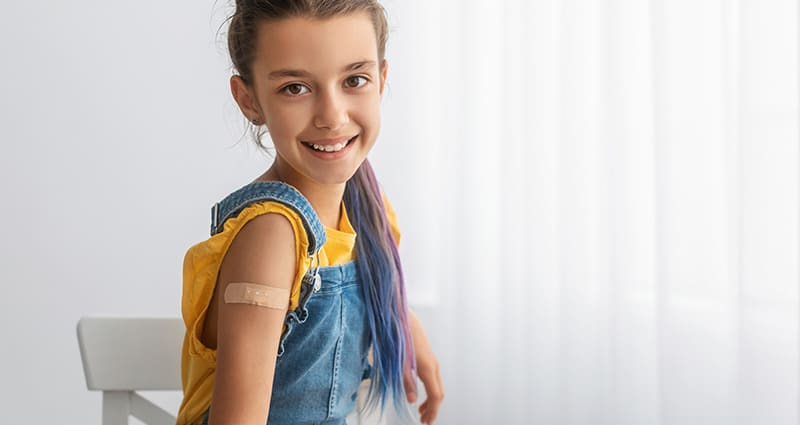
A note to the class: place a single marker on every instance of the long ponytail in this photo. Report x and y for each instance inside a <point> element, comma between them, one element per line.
<point>381,276</point>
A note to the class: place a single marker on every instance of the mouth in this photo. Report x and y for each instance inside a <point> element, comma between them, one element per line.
<point>330,148</point>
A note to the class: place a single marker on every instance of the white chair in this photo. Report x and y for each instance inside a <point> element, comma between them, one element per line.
<point>124,355</point>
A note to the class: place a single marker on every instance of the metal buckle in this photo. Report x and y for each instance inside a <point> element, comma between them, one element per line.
<point>215,217</point>
<point>317,279</point>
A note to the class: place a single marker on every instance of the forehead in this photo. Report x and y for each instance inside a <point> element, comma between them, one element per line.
<point>315,45</point>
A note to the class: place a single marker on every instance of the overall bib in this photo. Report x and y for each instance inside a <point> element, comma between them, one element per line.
<point>323,351</point>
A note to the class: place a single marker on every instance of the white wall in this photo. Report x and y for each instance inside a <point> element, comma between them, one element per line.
<point>599,202</point>
<point>119,133</point>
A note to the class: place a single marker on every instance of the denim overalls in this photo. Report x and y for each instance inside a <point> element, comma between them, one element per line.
<point>322,357</point>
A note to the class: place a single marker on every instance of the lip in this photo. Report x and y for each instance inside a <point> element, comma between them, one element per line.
<point>328,142</point>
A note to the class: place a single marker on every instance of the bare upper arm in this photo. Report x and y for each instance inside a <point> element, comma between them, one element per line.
<point>247,336</point>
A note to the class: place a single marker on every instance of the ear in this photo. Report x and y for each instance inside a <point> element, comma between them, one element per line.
<point>245,98</point>
<point>384,72</point>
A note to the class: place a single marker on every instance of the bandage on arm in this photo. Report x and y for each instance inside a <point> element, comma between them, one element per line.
<point>257,294</point>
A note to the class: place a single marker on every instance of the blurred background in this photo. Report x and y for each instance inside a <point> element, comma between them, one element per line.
<point>599,200</point>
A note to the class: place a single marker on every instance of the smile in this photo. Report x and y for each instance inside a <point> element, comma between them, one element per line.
<point>330,148</point>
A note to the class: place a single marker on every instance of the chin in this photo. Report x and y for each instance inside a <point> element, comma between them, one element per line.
<point>338,177</point>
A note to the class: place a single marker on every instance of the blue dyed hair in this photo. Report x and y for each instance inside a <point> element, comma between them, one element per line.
<point>381,274</point>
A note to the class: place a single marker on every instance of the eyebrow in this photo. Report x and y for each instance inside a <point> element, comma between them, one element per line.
<point>283,73</point>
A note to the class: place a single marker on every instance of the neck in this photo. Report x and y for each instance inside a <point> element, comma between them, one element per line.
<point>325,198</point>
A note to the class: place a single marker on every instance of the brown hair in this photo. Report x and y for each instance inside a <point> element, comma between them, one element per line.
<point>249,14</point>
<point>377,258</point>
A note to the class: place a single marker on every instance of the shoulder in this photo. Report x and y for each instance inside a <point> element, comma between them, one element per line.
<point>268,219</point>
<point>264,249</point>
<point>266,232</point>
<point>266,223</point>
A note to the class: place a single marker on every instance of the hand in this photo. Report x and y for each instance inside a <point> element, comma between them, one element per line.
<point>428,371</point>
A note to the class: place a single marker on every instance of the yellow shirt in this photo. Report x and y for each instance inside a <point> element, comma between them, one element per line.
<point>200,269</point>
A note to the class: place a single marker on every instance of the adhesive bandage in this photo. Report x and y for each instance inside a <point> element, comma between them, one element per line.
<point>257,294</point>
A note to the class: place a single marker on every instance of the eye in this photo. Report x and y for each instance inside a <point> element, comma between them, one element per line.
<point>355,81</point>
<point>294,89</point>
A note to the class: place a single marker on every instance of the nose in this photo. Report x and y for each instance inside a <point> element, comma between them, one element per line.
<point>331,111</point>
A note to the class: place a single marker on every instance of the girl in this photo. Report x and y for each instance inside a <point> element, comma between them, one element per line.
<point>300,282</point>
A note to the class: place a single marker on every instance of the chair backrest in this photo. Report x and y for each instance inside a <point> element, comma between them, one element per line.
<point>124,355</point>
<point>131,353</point>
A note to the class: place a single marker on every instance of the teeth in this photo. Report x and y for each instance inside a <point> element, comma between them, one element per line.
<point>329,148</point>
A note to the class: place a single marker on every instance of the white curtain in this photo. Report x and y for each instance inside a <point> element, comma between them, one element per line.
<point>617,186</point>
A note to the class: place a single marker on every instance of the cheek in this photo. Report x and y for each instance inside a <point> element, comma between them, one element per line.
<point>285,121</point>
<point>370,114</point>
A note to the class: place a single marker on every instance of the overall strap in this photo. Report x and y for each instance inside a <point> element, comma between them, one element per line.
<point>276,191</point>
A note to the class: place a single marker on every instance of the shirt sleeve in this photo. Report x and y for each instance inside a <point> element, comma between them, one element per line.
<point>203,261</point>
<point>392,216</point>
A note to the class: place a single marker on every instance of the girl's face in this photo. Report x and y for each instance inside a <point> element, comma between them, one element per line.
<point>317,87</point>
